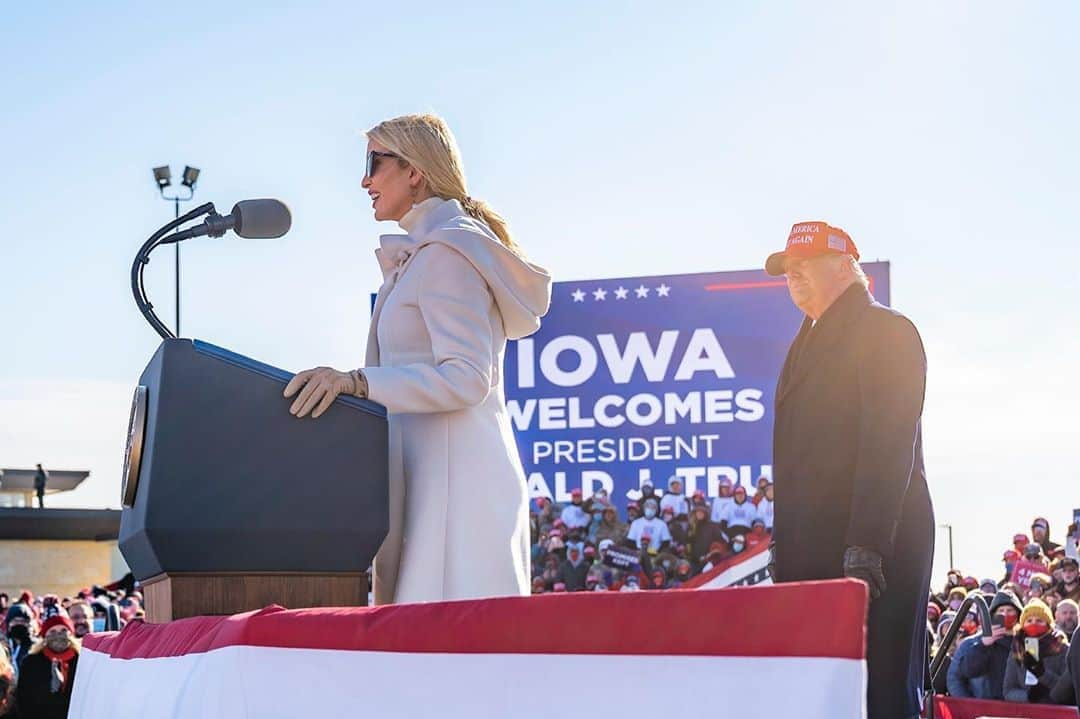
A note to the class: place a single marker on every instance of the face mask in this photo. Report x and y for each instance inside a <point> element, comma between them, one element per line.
<point>1035,630</point>
<point>58,643</point>
<point>1009,621</point>
<point>597,516</point>
<point>737,547</point>
<point>20,633</point>
<point>99,624</point>
<point>969,626</point>
<point>954,604</point>
<point>650,513</point>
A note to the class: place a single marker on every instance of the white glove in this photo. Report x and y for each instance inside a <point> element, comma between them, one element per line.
<point>321,386</point>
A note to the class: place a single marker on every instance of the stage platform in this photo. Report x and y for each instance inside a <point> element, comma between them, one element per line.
<point>759,651</point>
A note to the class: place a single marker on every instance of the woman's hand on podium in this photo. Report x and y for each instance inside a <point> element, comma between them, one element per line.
<point>318,389</point>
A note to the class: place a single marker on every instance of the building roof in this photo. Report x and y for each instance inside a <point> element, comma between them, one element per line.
<point>30,523</point>
<point>22,480</point>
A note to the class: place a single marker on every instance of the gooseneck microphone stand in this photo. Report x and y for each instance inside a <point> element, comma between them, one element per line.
<point>161,237</point>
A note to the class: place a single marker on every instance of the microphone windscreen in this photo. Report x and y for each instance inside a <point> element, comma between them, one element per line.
<point>261,219</point>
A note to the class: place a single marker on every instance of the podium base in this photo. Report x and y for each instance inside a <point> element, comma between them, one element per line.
<point>180,595</point>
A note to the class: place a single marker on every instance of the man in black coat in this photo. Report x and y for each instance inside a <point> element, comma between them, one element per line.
<point>847,457</point>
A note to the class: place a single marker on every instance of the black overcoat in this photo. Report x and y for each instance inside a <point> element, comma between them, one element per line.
<point>848,466</point>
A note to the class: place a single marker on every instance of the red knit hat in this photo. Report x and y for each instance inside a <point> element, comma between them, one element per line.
<point>57,620</point>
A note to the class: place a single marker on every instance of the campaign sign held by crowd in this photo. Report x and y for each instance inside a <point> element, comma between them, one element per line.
<point>637,379</point>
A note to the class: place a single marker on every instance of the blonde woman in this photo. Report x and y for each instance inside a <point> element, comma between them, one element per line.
<point>455,288</point>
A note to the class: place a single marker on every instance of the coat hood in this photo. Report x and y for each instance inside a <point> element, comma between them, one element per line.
<point>521,289</point>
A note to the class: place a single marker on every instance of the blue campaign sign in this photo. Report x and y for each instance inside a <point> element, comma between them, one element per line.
<point>642,378</point>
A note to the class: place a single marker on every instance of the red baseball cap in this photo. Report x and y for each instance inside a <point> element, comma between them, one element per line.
<point>812,238</point>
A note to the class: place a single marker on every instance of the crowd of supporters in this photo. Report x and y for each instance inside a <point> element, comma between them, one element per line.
<point>41,644</point>
<point>663,540</point>
<point>1025,656</point>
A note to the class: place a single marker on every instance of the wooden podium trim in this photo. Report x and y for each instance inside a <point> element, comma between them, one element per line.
<point>190,594</point>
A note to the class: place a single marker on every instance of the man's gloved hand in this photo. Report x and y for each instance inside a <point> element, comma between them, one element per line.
<point>865,564</point>
<point>1033,665</point>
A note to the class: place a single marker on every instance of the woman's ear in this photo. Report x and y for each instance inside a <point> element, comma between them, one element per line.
<point>416,179</point>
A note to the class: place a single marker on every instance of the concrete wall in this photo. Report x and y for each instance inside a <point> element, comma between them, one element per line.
<point>56,566</point>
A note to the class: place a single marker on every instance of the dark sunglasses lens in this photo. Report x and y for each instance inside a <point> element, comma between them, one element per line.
<point>369,168</point>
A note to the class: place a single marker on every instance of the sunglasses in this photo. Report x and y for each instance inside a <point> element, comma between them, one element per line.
<point>372,165</point>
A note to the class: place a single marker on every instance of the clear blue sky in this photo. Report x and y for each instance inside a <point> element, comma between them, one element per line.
<point>620,139</point>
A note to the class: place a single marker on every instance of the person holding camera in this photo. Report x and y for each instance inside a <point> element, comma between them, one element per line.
<point>979,662</point>
<point>1037,657</point>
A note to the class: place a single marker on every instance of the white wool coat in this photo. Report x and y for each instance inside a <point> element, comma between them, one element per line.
<point>452,295</point>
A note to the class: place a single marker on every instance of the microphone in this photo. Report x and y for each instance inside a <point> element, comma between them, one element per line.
<point>252,219</point>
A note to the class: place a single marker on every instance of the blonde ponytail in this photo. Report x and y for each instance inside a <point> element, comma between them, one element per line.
<point>426,143</point>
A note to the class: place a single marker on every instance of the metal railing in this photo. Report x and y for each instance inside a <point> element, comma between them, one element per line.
<point>986,628</point>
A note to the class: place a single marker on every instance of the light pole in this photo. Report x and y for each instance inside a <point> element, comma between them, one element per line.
<point>952,563</point>
<point>163,178</point>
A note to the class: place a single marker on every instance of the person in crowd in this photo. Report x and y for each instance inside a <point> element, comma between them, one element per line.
<point>722,500</point>
<point>683,571</point>
<point>47,675</point>
<point>759,490</point>
<point>757,535</point>
<point>702,534</point>
<point>7,686</point>
<point>1040,583</point>
<point>987,658</point>
<point>573,514</point>
<point>952,580</point>
<point>610,527</point>
<point>1037,658</point>
<point>674,498</point>
<point>1069,586</point>
<point>938,648</point>
<point>658,579</point>
<point>558,587</point>
<point>933,614</point>
<point>648,491</point>
<point>550,573</point>
<point>1009,559</point>
<point>678,526</point>
<point>1020,540</point>
<point>20,626</point>
<point>538,585</point>
<point>955,598</point>
<point>633,511</point>
<point>1052,599</point>
<point>959,685</point>
<point>82,618</point>
<point>766,507</point>
<point>597,502</point>
<point>1066,616</point>
<point>698,499</point>
<point>41,481</point>
<point>738,544</point>
<point>5,601</point>
<point>574,568</point>
<point>1040,534</point>
<point>739,515</point>
<point>649,533</point>
<point>988,586</point>
<point>456,288</point>
<point>971,584</point>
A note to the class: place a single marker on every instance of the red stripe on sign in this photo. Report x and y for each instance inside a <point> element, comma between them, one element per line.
<point>744,621</point>
<point>745,285</point>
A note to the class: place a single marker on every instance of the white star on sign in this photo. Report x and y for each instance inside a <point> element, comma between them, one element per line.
<point>642,291</point>
<point>620,294</point>
<point>663,290</point>
<point>578,296</point>
<point>600,295</point>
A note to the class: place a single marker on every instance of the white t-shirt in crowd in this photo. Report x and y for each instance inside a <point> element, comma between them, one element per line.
<point>765,512</point>
<point>718,505</point>
<point>677,502</point>
<point>654,529</point>
<point>742,515</point>
<point>574,516</point>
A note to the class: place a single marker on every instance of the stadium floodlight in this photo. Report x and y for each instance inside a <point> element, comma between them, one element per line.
<point>191,175</point>
<point>163,177</point>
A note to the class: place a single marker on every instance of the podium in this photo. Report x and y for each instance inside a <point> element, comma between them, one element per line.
<point>232,504</point>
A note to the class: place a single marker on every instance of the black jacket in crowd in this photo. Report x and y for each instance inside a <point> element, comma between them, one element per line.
<point>34,698</point>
